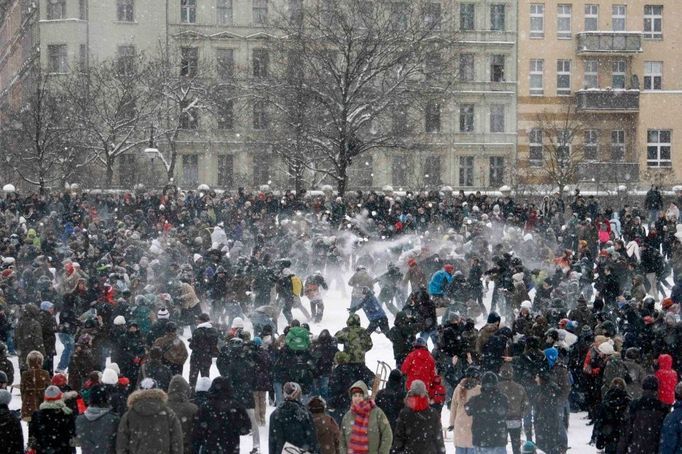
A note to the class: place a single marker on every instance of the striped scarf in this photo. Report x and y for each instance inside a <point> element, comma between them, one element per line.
<point>359,437</point>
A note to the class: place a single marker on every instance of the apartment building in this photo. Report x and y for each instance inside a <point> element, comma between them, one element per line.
<point>609,71</point>
<point>466,141</point>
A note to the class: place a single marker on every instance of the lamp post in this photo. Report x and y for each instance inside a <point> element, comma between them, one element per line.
<point>152,151</point>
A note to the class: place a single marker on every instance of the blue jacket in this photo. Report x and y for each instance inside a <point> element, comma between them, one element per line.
<point>438,282</point>
<point>371,306</point>
<point>671,432</point>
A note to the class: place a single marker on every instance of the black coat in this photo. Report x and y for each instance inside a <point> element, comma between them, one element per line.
<point>323,352</point>
<point>343,377</point>
<point>204,345</point>
<point>391,399</point>
<point>647,413</point>
<point>611,418</point>
<point>292,422</point>
<point>236,363</point>
<point>263,371</point>
<point>489,418</point>
<point>158,371</point>
<point>548,423</point>
<point>52,431</point>
<point>10,432</point>
<point>418,430</point>
<point>218,425</point>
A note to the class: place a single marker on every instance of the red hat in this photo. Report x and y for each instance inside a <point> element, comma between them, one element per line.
<point>58,380</point>
<point>667,303</point>
<point>412,262</point>
<point>563,322</point>
<point>648,320</point>
<point>450,268</point>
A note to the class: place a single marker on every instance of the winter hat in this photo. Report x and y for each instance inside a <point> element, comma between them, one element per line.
<point>115,368</point>
<point>292,391</point>
<point>650,383</point>
<point>420,342</point>
<point>46,306</point>
<point>552,354</point>
<point>488,380</point>
<point>203,384</point>
<point>472,372</point>
<point>5,397</point>
<point>203,318</point>
<point>109,377</point>
<point>667,303</point>
<point>527,305</point>
<point>119,320</point>
<point>411,262</point>
<point>162,313</point>
<point>99,397</point>
<point>149,383</point>
<point>606,348</point>
<point>632,353</point>
<point>449,268</point>
<point>528,448</point>
<point>494,317</point>
<point>58,380</point>
<point>257,341</point>
<point>317,404</point>
<point>53,393</point>
<point>196,257</point>
<point>418,388</point>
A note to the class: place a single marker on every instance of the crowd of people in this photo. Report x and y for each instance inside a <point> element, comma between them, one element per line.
<point>583,316</point>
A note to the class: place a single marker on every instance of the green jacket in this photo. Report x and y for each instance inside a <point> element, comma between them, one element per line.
<point>356,342</point>
<point>380,434</point>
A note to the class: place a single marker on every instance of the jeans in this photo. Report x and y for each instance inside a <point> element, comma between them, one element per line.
<point>459,450</point>
<point>255,433</point>
<point>196,368</point>
<point>322,387</point>
<point>430,334</point>
<point>10,342</point>
<point>279,396</point>
<point>381,323</point>
<point>67,341</point>
<point>496,450</point>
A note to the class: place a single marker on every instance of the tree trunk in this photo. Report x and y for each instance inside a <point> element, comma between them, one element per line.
<point>110,173</point>
<point>342,180</point>
<point>299,184</point>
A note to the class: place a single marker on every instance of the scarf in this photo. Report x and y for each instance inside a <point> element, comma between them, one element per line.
<point>359,437</point>
<point>55,405</point>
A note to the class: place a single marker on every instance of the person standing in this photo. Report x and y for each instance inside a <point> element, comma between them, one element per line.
<point>53,427</point>
<point>96,428</point>
<point>178,401</point>
<point>48,325</point>
<point>174,350</point>
<point>292,423</point>
<point>671,432</point>
<point>204,346</point>
<point>488,411</point>
<point>327,430</point>
<point>34,381</point>
<point>646,412</point>
<point>418,430</point>
<point>11,433</point>
<point>365,428</point>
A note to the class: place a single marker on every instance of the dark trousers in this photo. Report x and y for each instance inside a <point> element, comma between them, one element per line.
<point>381,323</point>
<point>196,368</point>
<point>515,438</point>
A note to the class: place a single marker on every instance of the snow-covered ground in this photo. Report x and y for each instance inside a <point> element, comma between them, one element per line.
<point>334,319</point>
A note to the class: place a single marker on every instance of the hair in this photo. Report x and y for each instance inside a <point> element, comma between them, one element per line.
<point>467,384</point>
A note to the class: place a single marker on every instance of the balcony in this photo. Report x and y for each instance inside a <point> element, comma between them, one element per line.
<point>609,43</point>
<point>600,172</point>
<point>607,100</point>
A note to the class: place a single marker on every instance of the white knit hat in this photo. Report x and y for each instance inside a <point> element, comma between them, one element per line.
<point>115,368</point>
<point>119,320</point>
<point>163,313</point>
<point>109,377</point>
<point>606,348</point>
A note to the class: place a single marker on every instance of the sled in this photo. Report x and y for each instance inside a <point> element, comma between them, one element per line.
<point>380,376</point>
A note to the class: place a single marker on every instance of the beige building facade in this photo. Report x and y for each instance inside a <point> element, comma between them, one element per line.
<point>613,69</point>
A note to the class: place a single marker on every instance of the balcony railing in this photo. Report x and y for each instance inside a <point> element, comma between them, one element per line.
<point>608,172</point>
<point>607,100</point>
<point>613,43</point>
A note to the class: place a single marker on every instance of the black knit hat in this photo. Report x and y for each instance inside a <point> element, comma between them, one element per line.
<point>494,317</point>
<point>650,383</point>
<point>488,380</point>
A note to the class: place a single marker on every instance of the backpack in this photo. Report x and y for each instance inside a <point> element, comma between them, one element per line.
<point>298,339</point>
<point>296,285</point>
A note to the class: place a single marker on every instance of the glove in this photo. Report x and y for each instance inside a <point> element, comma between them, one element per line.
<point>451,428</point>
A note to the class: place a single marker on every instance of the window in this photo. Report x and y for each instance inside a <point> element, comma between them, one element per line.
<point>432,16</point>
<point>190,170</point>
<point>653,21</point>
<point>466,67</point>
<point>591,145</point>
<point>56,9</point>
<point>399,170</point>
<point>653,75</point>
<point>296,11</point>
<point>225,114</point>
<point>433,63</point>
<point>497,118</point>
<point>126,60</point>
<point>497,68</point>
<point>563,21</point>
<point>431,171</point>
<point>127,170</point>
<point>261,169</point>
<point>226,171</point>
<point>260,115</point>
<point>617,145</point>
<point>261,60</point>
<point>591,78</point>
<point>432,117</point>
<point>563,149</point>
<point>82,10</point>
<point>126,10</point>
<point>224,14</point>
<point>398,16</point>
<point>225,63</point>
<point>618,74</point>
<point>467,16</point>
<point>535,147</point>
<point>497,18</point>
<point>591,18</point>
<point>326,12</point>
<point>658,149</point>
<point>189,61</point>
<point>618,18</point>
<point>399,119</point>
<point>57,58</point>
<point>537,67</point>
<point>466,170</point>
<point>188,11</point>
<point>83,57</point>
<point>537,20</point>
<point>260,12</point>
<point>361,172</point>
<point>466,118</point>
<point>563,77</point>
<point>496,171</point>
<point>189,115</point>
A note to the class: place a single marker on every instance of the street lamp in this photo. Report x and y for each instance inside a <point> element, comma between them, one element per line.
<point>151,150</point>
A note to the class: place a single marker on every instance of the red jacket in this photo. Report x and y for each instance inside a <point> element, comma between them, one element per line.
<point>667,379</point>
<point>419,365</point>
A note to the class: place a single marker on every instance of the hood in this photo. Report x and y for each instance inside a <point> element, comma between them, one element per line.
<point>665,362</point>
<point>205,325</point>
<point>178,389</point>
<point>395,380</point>
<point>94,413</point>
<point>353,320</point>
<point>148,402</point>
<point>360,384</point>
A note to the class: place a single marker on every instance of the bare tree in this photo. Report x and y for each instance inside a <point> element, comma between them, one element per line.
<point>112,108</point>
<point>561,157</point>
<point>358,62</point>
<point>37,138</point>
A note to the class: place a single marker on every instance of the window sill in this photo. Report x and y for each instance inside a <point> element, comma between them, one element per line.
<point>537,36</point>
<point>125,22</point>
<point>564,37</point>
<point>657,38</point>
